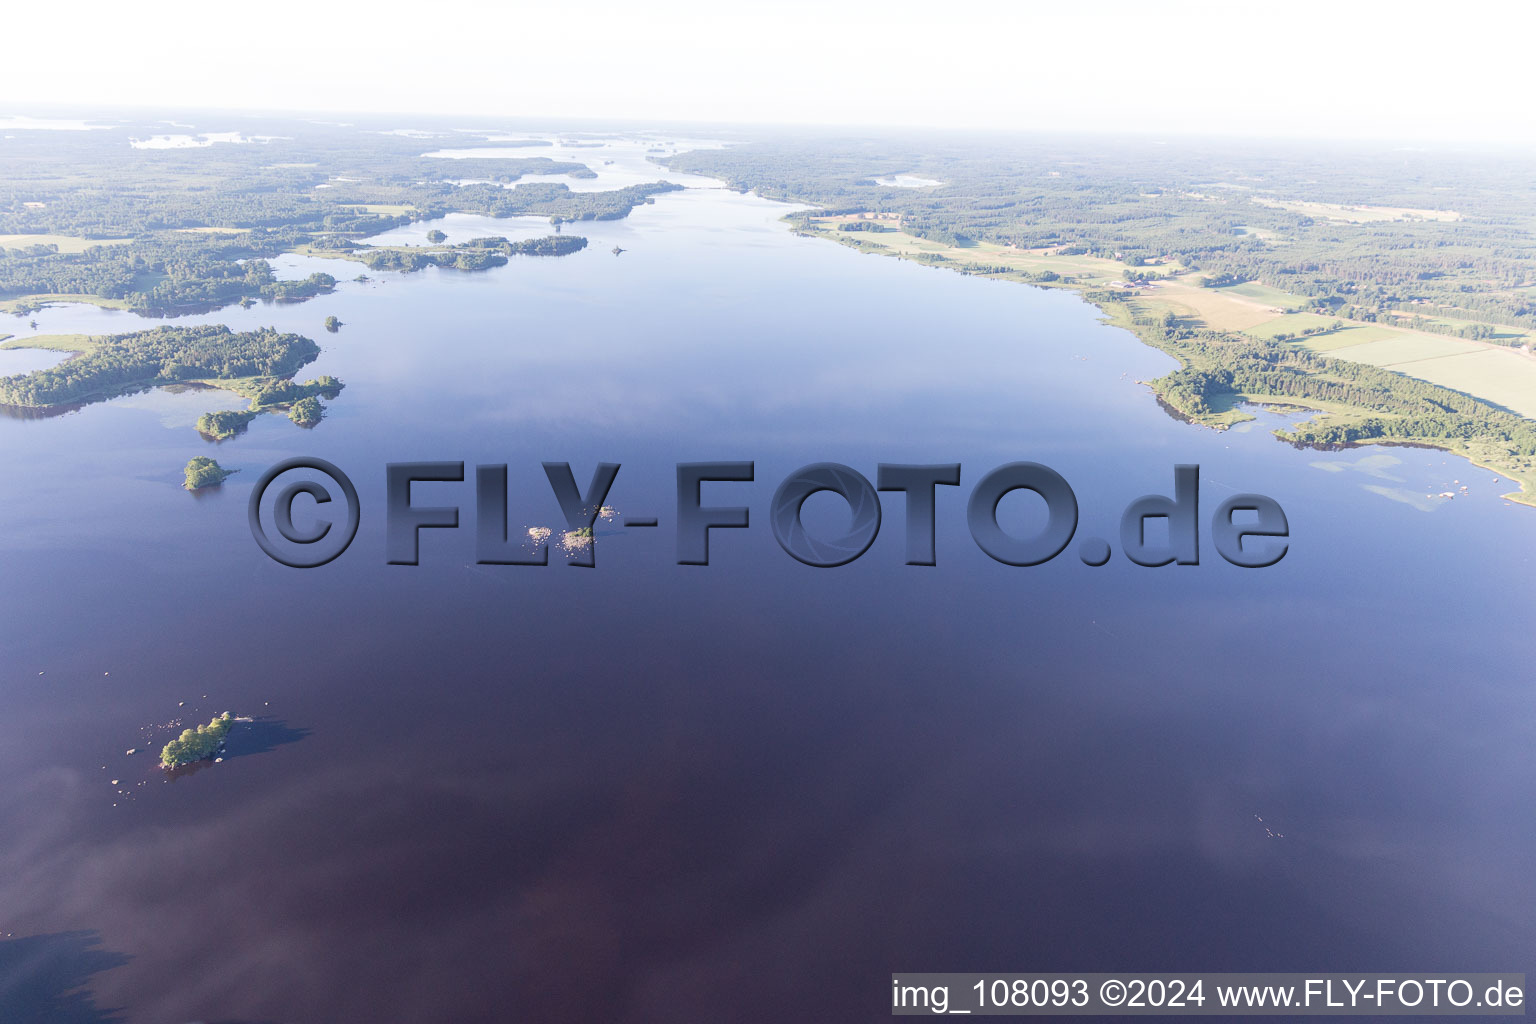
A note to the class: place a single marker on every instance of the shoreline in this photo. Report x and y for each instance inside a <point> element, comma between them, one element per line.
<point>1115,312</point>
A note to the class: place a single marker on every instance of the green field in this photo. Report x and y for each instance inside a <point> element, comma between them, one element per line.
<point>1263,293</point>
<point>1404,347</point>
<point>1502,375</point>
<point>51,342</point>
<point>1291,323</point>
<point>1503,334</point>
<point>70,343</point>
<point>1351,336</point>
<point>35,301</point>
<point>1498,374</point>
<point>65,243</point>
<point>1357,214</point>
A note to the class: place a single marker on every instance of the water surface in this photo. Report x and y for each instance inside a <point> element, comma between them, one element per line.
<point>648,792</point>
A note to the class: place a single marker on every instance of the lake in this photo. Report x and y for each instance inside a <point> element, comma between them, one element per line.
<point>752,790</point>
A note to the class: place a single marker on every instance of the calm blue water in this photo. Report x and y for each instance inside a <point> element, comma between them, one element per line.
<point>649,792</point>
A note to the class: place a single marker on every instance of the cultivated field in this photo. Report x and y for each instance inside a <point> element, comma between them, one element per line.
<point>64,242</point>
<point>1496,373</point>
<point>1356,214</point>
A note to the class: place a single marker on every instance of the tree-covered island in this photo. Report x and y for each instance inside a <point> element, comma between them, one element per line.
<point>257,365</point>
<point>198,744</point>
<point>205,472</point>
<point>476,254</point>
<point>306,412</point>
<point>301,401</point>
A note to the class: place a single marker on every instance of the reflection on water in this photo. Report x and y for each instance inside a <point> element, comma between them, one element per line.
<point>42,978</point>
<point>607,794</point>
<point>261,736</point>
<point>25,360</point>
<point>248,736</point>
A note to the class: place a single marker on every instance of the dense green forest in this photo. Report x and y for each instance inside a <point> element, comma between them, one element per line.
<point>476,254</point>
<point>306,412</point>
<point>198,744</point>
<point>159,275</point>
<point>268,394</point>
<point>165,355</point>
<point>203,472</point>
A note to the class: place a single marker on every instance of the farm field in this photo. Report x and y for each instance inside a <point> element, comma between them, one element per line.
<point>1504,376</point>
<point>1357,214</point>
<point>1499,374</point>
<point>65,243</point>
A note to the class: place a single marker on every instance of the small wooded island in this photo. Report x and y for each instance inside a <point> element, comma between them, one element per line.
<point>476,254</point>
<point>257,365</point>
<point>306,412</point>
<point>205,472</point>
<point>198,744</point>
<point>269,395</point>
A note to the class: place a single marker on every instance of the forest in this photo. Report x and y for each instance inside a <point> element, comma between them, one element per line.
<point>1444,243</point>
<point>272,394</point>
<point>164,355</point>
<point>183,231</point>
<point>197,744</point>
<point>202,471</point>
<point>1363,232</point>
<point>159,275</point>
<point>476,254</point>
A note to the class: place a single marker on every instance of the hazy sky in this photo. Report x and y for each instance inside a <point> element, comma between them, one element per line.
<point>1448,71</point>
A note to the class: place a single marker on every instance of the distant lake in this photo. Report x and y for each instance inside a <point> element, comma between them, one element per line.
<point>908,181</point>
<point>197,141</point>
<point>604,795</point>
<point>617,162</point>
<point>47,124</point>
